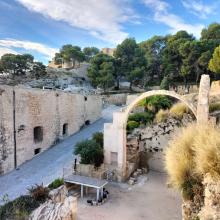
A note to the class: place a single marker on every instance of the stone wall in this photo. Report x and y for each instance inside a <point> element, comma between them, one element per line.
<point>115,99</point>
<point>153,140</point>
<point>56,114</point>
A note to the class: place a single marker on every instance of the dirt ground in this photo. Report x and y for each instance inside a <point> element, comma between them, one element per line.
<point>149,199</point>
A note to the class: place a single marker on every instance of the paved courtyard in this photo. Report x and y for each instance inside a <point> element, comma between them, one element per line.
<point>48,165</point>
<point>150,199</point>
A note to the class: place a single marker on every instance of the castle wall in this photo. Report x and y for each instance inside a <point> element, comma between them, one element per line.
<point>57,114</point>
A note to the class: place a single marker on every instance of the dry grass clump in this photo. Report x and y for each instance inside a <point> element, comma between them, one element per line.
<point>214,107</point>
<point>161,116</point>
<point>178,110</point>
<point>191,155</point>
<point>179,157</point>
<point>207,148</point>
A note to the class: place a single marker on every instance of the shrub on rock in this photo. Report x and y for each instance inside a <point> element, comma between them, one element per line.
<point>39,192</point>
<point>178,110</point>
<point>56,183</point>
<point>132,125</point>
<point>161,116</point>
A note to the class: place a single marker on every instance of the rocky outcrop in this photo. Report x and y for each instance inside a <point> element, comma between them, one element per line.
<point>59,194</point>
<point>59,207</point>
<point>211,208</point>
<point>152,141</point>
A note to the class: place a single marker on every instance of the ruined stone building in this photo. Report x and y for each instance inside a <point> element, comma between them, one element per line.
<point>32,120</point>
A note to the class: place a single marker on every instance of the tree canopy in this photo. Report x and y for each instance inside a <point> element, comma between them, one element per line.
<point>69,52</point>
<point>102,70</point>
<point>21,64</point>
<point>214,64</point>
<point>132,60</point>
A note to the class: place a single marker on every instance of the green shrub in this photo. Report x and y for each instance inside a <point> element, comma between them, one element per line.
<point>56,183</point>
<point>39,192</point>
<point>90,151</point>
<point>19,208</point>
<point>156,102</point>
<point>214,107</point>
<point>132,125</point>
<point>142,117</point>
<point>98,138</point>
<point>164,83</point>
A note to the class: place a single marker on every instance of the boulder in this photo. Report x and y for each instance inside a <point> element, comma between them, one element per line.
<point>59,194</point>
<point>56,211</point>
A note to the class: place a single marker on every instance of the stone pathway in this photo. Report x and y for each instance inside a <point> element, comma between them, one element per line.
<point>48,165</point>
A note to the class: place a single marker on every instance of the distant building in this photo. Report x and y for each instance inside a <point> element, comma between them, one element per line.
<point>65,64</point>
<point>108,51</point>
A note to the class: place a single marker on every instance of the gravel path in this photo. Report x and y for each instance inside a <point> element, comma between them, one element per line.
<point>149,199</point>
<point>48,165</point>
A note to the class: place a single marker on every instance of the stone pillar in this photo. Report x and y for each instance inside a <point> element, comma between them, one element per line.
<point>115,142</point>
<point>203,100</point>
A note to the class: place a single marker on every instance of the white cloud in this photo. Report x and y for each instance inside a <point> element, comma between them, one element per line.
<point>174,22</point>
<point>101,18</point>
<point>11,44</point>
<point>4,50</point>
<point>199,8</point>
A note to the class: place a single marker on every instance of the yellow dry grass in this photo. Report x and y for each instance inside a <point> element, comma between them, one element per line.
<point>161,115</point>
<point>192,154</point>
<point>207,148</point>
<point>179,160</point>
<point>178,110</point>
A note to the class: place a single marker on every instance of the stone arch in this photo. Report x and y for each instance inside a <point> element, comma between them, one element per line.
<point>160,92</point>
<point>115,132</point>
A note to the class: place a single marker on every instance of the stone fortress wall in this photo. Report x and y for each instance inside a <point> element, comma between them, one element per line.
<point>32,120</point>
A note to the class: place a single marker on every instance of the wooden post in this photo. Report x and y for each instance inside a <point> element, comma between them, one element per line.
<point>97,196</point>
<point>81,191</point>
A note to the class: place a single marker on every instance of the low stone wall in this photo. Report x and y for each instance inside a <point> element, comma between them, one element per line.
<point>115,99</point>
<point>90,171</point>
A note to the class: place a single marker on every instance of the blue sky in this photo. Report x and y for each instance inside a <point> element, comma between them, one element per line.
<point>41,27</point>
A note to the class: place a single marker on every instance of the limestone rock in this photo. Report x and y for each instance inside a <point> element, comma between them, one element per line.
<point>211,209</point>
<point>59,194</point>
<point>56,211</point>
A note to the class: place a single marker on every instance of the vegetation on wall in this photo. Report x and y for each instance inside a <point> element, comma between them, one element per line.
<point>56,183</point>
<point>179,109</point>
